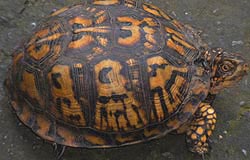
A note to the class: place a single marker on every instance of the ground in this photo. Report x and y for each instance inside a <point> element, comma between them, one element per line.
<point>225,23</point>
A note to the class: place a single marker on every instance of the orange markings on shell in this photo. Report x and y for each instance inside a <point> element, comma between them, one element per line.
<point>105,2</point>
<point>148,45</point>
<point>44,127</point>
<point>97,50</point>
<point>103,41</point>
<point>81,20</point>
<point>122,139</point>
<point>130,41</point>
<point>178,48</point>
<point>151,10</point>
<point>28,85</point>
<point>59,11</point>
<point>82,42</point>
<point>42,33</point>
<point>67,135</point>
<point>184,43</point>
<point>44,50</point>
<point>26,114</point>
<point>150,133</point>
<point>96,140</point>
<point>101,19</point>
<point>65,92</point>
<point>170,30</point>
<point>162,76</point>
<point>155,11</point>
<point>101,29</point>
<point>115,87</point>
<point>134,28</point>
<point>50,38</point>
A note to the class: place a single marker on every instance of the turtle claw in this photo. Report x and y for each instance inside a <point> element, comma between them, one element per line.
<point>59,150</point>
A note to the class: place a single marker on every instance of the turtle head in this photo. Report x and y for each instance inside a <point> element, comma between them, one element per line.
<point>227,69</point>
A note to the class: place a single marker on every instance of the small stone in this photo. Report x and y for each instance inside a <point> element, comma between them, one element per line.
<point>220,137</point>
<point>215,10</point>
<point>225,132</point>
<point>242,103</point>
<point>173,13</point>
<point>244,152</point>
<point>234,43</point>
<point>218,22</point>
<point>33,24</point>
<point>5,137</point>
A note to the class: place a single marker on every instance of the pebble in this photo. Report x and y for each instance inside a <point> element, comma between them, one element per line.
<point>244,152</point>
<point>218,22</point>
<point>215,10</point>
<point>225,132</point>
<point>33,25</point>
<point>174,14</point>
<point>234,43</point>
<point>242,103</point>
<point>5,137</point>
<point>220,137</point>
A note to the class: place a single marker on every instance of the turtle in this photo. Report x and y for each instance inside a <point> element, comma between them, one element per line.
<point>112,73</point>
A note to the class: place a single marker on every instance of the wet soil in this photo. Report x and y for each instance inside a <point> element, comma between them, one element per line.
<point>225,23</point>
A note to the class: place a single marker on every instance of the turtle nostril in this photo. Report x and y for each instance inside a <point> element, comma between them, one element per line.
<point>246,66</point>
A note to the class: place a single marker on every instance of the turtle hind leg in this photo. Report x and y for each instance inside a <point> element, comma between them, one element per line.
<point>59,150</point>
<point>201,128</point>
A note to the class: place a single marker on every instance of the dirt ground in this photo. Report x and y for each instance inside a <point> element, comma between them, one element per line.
<point>225,23</point>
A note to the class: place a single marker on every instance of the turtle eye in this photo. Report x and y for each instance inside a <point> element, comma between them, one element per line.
<point>227,66</point>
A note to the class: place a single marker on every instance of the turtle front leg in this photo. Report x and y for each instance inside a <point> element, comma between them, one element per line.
<point>201,128</point>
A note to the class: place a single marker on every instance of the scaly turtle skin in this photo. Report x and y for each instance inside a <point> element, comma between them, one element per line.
<point>110,73</point>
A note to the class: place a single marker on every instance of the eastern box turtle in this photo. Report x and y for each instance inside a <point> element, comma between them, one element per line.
<point>110,73</point>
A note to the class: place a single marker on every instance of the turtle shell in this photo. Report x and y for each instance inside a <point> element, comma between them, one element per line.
<point>106,74</point>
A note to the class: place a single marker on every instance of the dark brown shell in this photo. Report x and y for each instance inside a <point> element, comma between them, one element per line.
<point>106,74</point>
